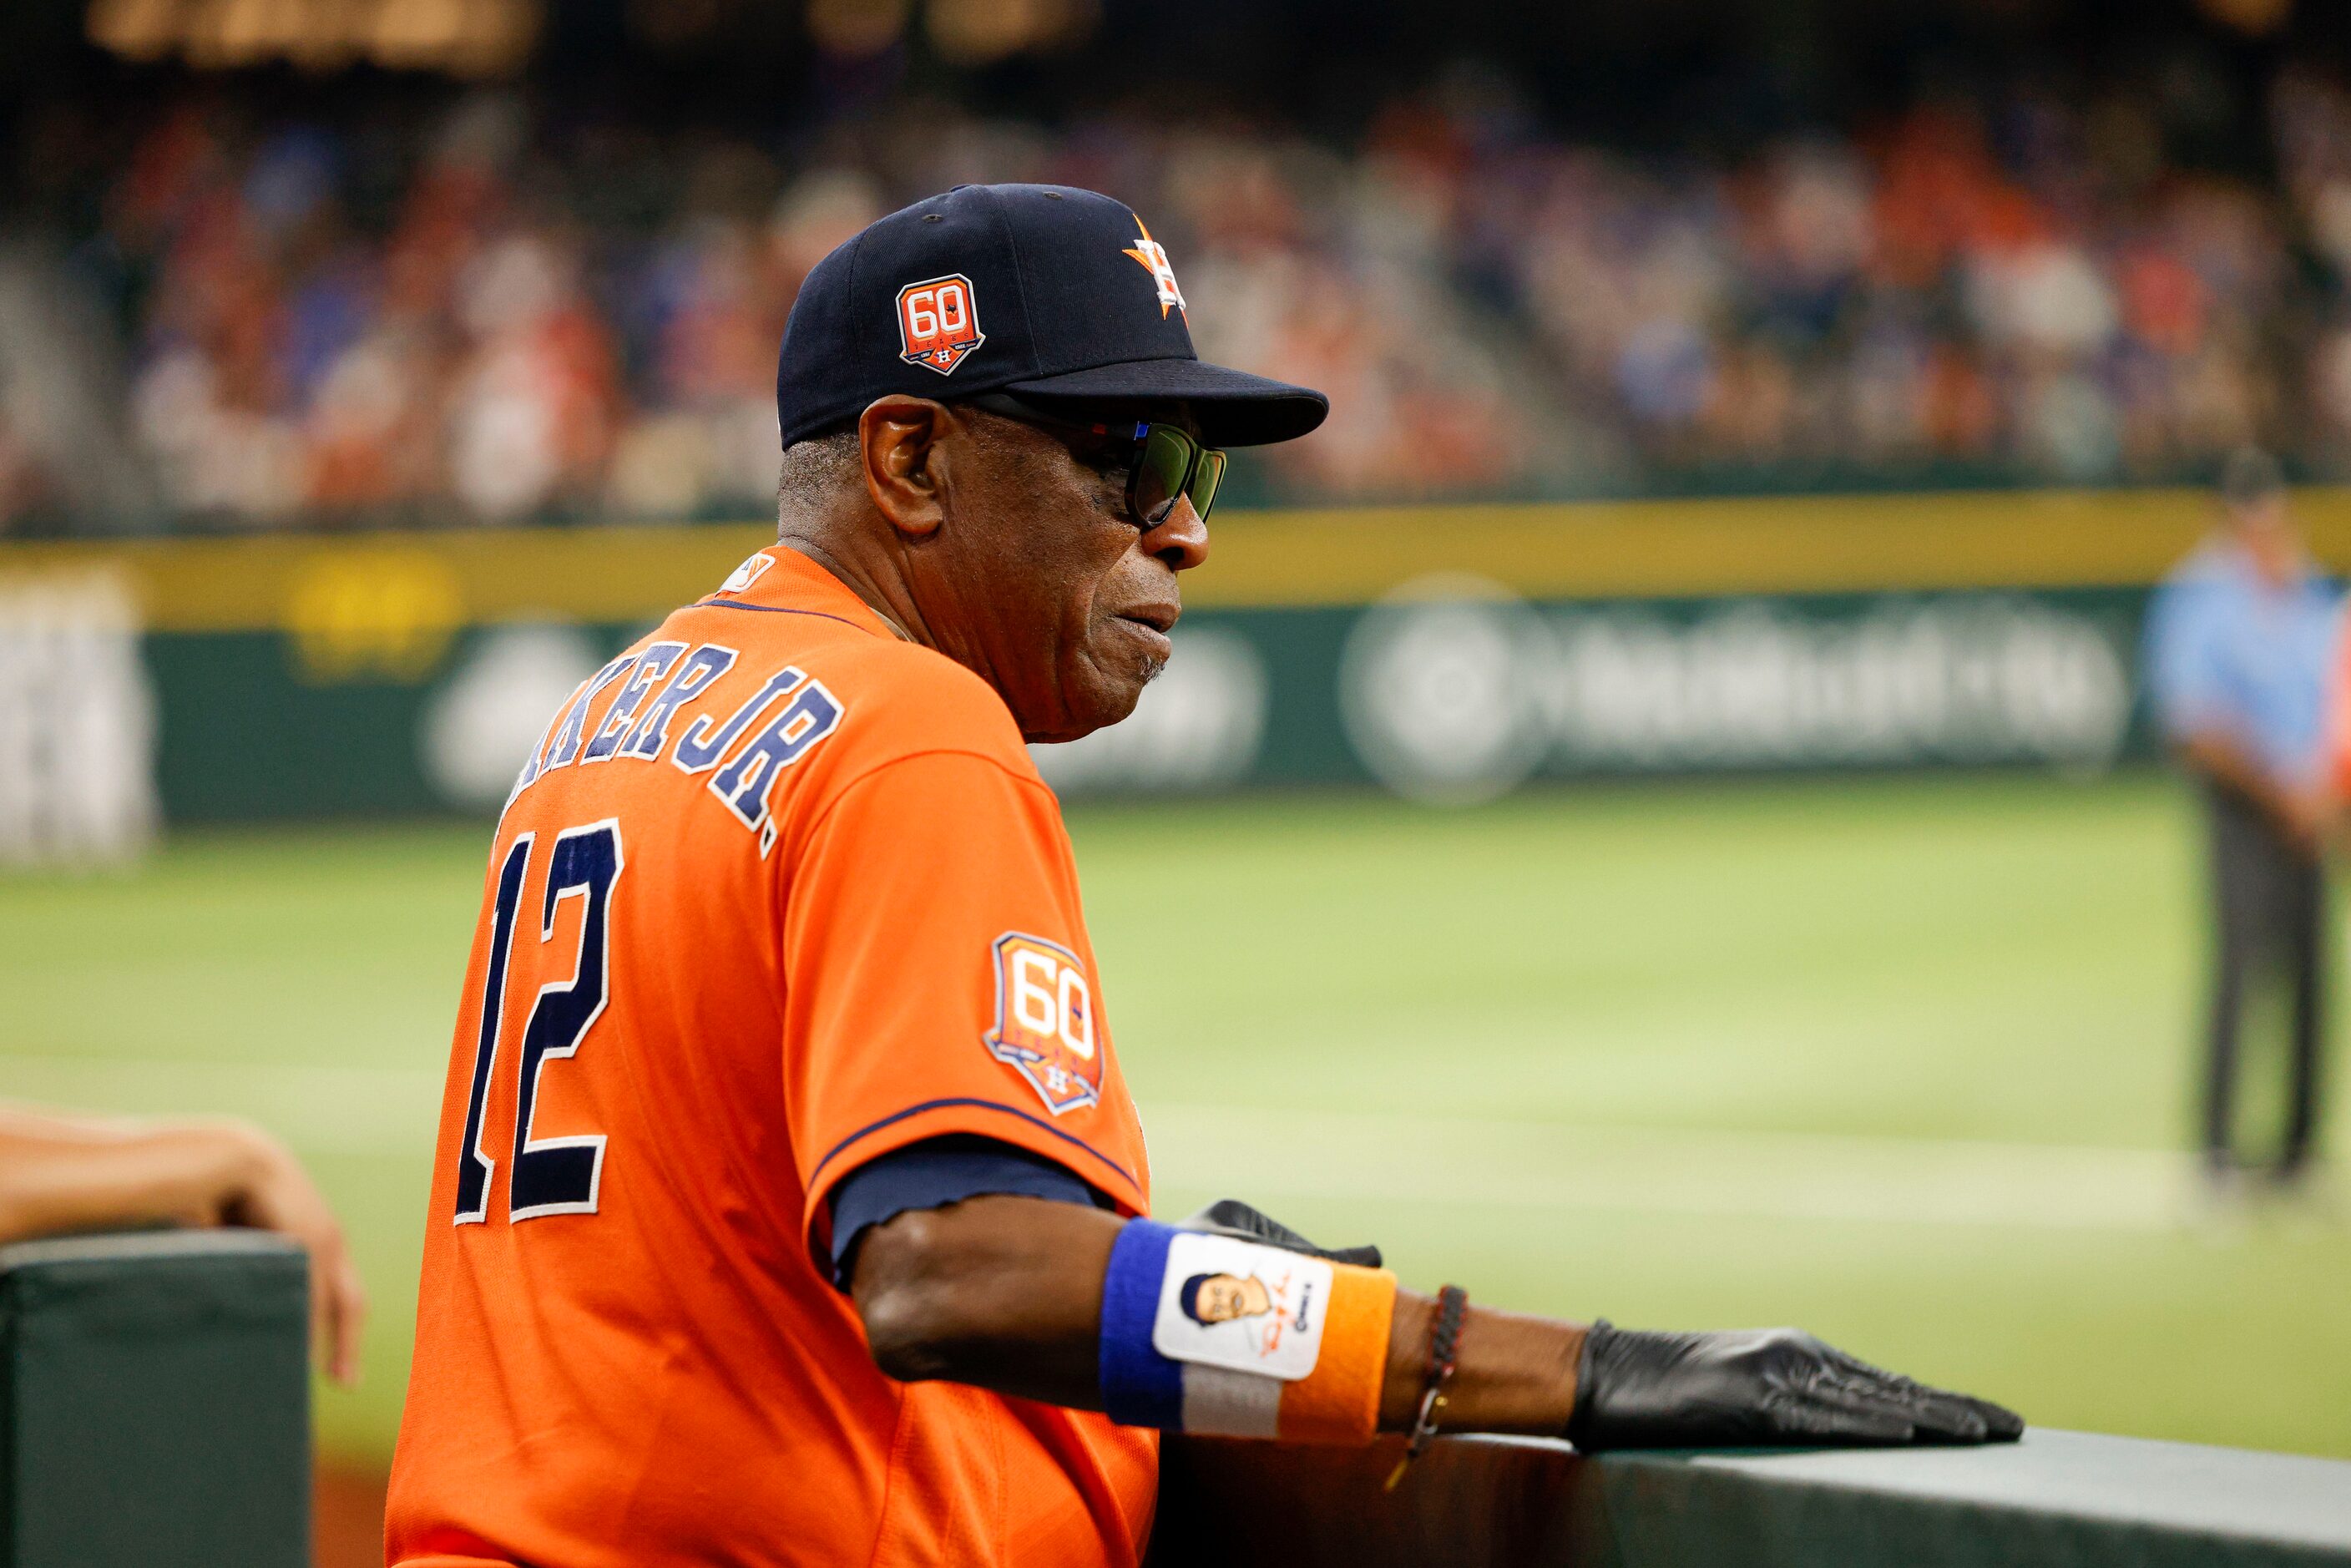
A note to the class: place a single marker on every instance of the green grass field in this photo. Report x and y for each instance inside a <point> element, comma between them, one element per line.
<point>1904,1062</point>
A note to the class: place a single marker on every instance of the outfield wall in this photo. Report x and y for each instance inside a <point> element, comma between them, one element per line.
<point>1449,654</point>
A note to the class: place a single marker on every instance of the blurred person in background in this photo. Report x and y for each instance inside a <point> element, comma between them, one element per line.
<point>61,1174</point>
<point>2240,639</point>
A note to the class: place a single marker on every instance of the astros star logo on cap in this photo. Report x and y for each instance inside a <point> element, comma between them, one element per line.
<point>1153,256</point>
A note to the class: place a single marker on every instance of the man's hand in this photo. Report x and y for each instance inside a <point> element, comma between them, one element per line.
<point>2313,813</point>
<point>64,1173</point>
<point>1759,1387</point>
<point>274,1193</point>
<point>2303,814</point>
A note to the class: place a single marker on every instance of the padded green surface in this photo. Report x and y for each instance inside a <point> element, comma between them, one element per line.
<point>156,1402</point>
<point>2057,1499</point>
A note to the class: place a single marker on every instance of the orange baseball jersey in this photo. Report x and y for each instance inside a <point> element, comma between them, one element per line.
<point>778,893</point>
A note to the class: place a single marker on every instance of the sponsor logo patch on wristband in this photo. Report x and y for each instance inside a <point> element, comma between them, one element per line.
<point>1238,1304</point>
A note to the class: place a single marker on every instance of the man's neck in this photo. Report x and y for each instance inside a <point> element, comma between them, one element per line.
<point>896,610</point>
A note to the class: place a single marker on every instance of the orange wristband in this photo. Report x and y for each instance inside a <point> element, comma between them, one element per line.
<point>1338,1402</point>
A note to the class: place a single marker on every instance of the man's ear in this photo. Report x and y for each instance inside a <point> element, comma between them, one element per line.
<point>898,437</point>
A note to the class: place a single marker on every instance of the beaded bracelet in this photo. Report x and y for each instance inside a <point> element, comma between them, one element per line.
<point>1444,1346</point>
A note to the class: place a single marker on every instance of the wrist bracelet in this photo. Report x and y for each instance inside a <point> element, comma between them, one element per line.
<point>1444,1346</point>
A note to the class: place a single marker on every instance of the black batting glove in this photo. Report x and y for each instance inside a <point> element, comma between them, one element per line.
<point>1756,1388</point>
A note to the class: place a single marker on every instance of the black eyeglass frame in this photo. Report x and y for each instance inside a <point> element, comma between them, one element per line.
<point>1142,432</point>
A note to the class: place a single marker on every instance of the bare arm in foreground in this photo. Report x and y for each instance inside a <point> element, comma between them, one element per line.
<point>61,1174</point>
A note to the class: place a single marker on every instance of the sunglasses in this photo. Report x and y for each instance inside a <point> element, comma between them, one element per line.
<point>1169,460</point>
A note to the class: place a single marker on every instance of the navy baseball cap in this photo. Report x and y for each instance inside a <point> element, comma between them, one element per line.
<point>1038,290</point>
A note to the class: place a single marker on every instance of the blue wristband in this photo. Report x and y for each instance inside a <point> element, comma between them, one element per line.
<point>1140,1387</point>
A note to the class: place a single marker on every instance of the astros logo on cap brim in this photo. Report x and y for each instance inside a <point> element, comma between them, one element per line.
<point>1153,257</point>
<point>938,322</point>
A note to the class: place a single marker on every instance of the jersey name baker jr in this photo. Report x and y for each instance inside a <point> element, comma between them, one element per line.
<point>638,727</point>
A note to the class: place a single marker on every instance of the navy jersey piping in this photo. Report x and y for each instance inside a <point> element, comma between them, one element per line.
<point>896,1117</point>
<point>781,609</point>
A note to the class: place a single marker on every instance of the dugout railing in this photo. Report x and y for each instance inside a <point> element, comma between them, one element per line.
<point>2058,1499</point>
<point>157,1402</point>
<point>156,1408</point>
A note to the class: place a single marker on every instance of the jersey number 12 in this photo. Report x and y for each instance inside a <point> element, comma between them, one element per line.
<point>549,1176</point>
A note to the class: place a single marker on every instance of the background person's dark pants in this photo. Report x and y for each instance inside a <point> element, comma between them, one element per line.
<point>2269,899</point>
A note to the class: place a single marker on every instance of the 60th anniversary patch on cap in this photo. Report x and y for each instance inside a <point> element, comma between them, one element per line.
<point>1079,298</point>
<point>938,322</point>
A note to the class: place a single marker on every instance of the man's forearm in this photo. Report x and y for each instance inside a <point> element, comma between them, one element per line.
<point>1515,1374</point>
<point>1007,1294</point>
<point>69,1174</point>
<point>1004,1293</point>
<point>64,1173</point>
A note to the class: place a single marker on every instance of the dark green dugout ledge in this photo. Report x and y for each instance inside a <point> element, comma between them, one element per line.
<point>157,1402</point>
<point>157,1412</point>
<point>2057,1499</point>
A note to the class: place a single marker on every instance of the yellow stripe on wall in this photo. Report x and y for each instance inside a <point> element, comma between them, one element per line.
<point>1776,545</point>
<point>1694,547</point>
<point>265,581</point>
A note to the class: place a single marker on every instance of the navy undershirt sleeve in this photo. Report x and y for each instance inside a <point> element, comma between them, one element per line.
<point>935,1173</point>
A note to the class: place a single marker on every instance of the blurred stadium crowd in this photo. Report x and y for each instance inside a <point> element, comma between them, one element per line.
<point>472,305</point>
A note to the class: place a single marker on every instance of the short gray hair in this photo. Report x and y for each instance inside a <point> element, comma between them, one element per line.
<point>815,470</point>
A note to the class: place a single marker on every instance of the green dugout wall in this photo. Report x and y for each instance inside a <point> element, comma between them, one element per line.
<point>156,1415</point>
<point>155,1401</point>
<point>1447,652</point>
<point>2057,1500</point>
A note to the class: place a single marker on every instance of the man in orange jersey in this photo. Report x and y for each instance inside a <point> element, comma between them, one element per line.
<point>789,1204</point>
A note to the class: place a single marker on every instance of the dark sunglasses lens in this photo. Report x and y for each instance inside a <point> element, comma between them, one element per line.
<point>1204,480</point>
<point>1159,474</point>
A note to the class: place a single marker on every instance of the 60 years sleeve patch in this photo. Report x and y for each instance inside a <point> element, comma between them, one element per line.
<point>1044,1027</point>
